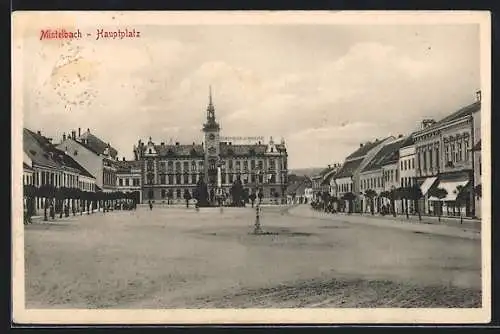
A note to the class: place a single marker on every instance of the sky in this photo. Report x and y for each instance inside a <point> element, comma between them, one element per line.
<point>324,89</point>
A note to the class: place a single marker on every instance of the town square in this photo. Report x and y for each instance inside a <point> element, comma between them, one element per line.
<point>274,166</point>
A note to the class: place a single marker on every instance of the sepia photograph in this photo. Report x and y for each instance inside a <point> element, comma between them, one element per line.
<point>251,167</point>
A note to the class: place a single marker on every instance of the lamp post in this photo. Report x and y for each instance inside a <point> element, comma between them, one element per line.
<point>257,228</point>
<point>219,192</point>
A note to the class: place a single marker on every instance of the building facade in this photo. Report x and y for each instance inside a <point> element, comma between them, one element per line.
<point>347,178</point>
<point>407,174</point>
<point>444,161</point>
<point>170,171</point>
<point>94,155</point>
<point>477,163</point>
<point>51,166</point>
<point>128,177</point>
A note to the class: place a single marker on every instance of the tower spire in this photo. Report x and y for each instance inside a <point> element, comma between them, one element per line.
<point>210,108</point>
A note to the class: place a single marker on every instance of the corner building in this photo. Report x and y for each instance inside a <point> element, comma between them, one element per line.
<point>169,171</point>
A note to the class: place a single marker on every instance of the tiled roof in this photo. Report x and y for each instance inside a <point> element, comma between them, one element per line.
<point>363,150</point>
<point>408,141</point>
<point>348,168</point>
<point>39,149</point>
<point>96,144</point>
<point>242,150</point>
<point>465,111</point>
<point>179,150</point>
<point>388,154</point>
<point>42,152</point>
<point>70,162</point>
<point>127,166</point>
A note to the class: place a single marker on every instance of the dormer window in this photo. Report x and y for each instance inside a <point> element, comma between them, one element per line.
<point>150,151</point>
<point>75,152</point>
<point>272,149</point>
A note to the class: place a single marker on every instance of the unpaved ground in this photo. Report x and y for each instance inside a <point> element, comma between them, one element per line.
<point>174,257</point>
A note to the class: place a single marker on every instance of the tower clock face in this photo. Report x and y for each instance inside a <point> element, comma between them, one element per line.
<point>212,150</point>
<point>211,136</point>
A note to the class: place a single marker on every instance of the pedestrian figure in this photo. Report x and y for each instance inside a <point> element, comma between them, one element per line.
<point>150,205</point>
<point>52,211</point>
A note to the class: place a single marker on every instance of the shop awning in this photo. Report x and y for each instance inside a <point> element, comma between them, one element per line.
<point>428,182</point>
<point>451,188</point>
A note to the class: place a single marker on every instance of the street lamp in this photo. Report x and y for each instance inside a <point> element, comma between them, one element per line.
<point>219,192</point>
<point>257,229</point>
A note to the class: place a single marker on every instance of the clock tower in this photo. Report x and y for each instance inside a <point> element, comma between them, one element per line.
<point>212,143</point>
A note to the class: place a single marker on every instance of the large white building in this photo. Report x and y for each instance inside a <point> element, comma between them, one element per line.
<point>94,155</point>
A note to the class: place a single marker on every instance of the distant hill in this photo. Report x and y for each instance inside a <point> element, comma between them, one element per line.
<point>306,171</point>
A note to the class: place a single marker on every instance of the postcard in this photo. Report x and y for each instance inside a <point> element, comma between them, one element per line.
<point>253,167</point>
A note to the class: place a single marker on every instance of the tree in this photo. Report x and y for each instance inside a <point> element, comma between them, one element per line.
<point>29,192</point>
<point>187,197</point>
<point>170,196</point>
<point>463,196</point>
<point>252,198</point>
<point>201,193</point>
<point>236,192</point>
<point>402,194</point>
<point>371,194</point>
<point>439,193</point>
<point>415,194</point>
<point>349,197</point>
<point>478,191</point>
<point>261,196</point>
<point>325,197</point>
<point>391,196</point>
<point>276,196</point>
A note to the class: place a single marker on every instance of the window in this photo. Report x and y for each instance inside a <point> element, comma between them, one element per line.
<point>177,166</point>
<point>194,178</point>
<point>252,165</point>
<point>231,178</point>
<point>230,164</point>
<point>466,146</point>
<point>413,163</point>
<point>170,166</point>
<point>261,164</point>
<point>178,178</point>
<point>425,160</point>
<point>150,152</point>
<point>120,182</point>
<point>453,153</point>
<point>163,193</point>
<point>186,166</point>
<point>459,151</point>
<point>193,166</point>
<point>75,152</point>
<point>150,165</point>
<point>245,165</point>
<point>271,164</point>
<point>163,179</point>
<point>402,164</point>
<point>223,178</point>
<point>170,179</point>
<point>430,159</point>
<point>150,194</point>
<point>178,193</point>
<point>186,178</point>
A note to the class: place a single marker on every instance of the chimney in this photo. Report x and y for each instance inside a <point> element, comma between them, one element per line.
<point>162,143</point>
<point>361,145</point>
<point>478,96</point>
<point>88,130</point>
<point>79,132</point>
<point>39,133</point>
<point>64,136</point>
<point>123,159</point>
<point>176,143</point>
<point>400,136</point>
<point>427,122</point>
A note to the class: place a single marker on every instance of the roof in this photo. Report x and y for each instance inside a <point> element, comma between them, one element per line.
<point>127,166</point>
<point>179,150</point>
<point>44,153</point>
<point>408,141</point>
<point>363,150</point>
<point>37,147</point>
<point>462,112</point>
<point>388,154</point>
<point>70,162</point>
<point>348,168</point>
<point>96,144</point>
<point>26,166</point>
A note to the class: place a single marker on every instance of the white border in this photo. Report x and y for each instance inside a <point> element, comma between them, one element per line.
<point>28,23</point>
